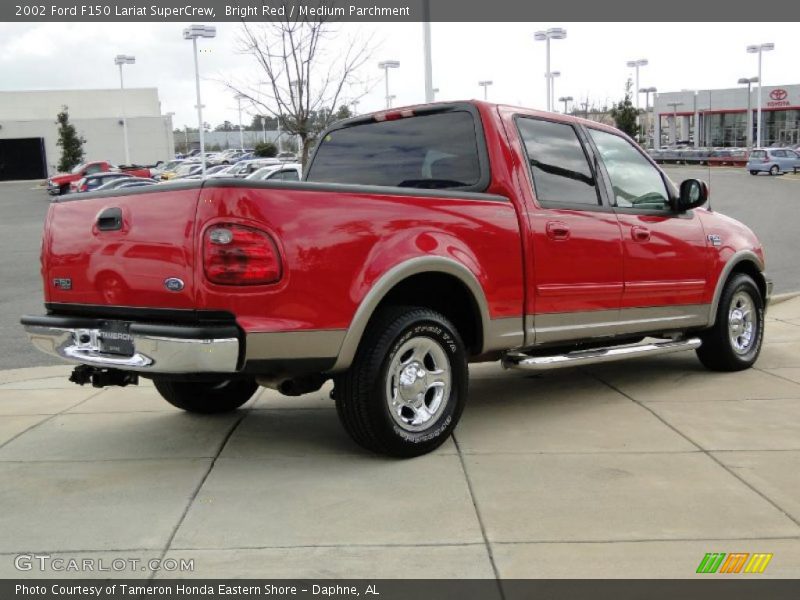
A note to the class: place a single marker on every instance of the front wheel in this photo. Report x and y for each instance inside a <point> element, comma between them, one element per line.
<point>734,343</point>
<point>206,397</point>
<point>773,170</point>
<point>406,389</point>
<point>753,172</point>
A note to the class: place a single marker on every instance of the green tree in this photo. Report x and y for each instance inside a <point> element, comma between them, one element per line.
<point>266,150</point>
<point>71,143</point>
<point>226,126</point>
<point>625,114</point>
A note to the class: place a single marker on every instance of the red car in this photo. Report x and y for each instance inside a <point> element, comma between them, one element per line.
<point>421,239</point>
<point>63,183</point>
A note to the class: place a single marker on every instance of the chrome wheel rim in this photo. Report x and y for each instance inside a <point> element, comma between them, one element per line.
<point>418,383</point>
<point>741,322</point>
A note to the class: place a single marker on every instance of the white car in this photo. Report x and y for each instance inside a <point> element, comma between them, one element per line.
<point>284,172</point>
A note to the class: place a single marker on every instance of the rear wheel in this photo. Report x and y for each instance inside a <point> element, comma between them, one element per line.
<point>407,386</point>
<point>753,172</point>
<point>734,343</point>
<point>206,397</point>
<point>773,170</point>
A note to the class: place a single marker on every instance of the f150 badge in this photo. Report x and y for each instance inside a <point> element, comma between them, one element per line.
<point>62,283</point>
<point>714,239</point>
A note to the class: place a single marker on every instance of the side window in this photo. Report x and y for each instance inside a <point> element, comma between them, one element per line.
<point>779,153</point>
<point>287,175</point>
<point>635,181</point>
<point>559,165</point>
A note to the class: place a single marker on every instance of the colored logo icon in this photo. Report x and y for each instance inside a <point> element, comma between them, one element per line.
<point>735,562</point>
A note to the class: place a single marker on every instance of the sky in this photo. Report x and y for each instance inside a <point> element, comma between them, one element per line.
<point>591,60</point>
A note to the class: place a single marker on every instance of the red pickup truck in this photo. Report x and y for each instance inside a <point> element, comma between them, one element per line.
<point>421,239</point>
<point>60,183</point>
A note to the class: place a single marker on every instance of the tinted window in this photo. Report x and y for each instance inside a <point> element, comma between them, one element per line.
<point>428,151</point>
<point>558,163</point>
<point>635,181</point>
<point>288,175</point>
<point>758,154</point>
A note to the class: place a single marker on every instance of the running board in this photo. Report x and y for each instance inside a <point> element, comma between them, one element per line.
<point>596,355</point>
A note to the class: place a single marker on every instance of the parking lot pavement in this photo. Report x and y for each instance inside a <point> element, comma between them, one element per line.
<point>633,469</point>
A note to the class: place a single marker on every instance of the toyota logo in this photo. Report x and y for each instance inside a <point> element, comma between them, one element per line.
<point>778,94</point>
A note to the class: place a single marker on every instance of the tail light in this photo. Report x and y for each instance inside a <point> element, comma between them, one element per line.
<point>765,159</point>
<point>238,255</point>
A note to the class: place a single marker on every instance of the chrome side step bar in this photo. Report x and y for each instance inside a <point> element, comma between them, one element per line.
<point>579,358</point>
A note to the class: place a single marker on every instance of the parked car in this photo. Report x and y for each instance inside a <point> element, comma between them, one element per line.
<point>92,182</point>
<point>210,172</point>
<point>243,168</point>
<point>122,182</point>
<point>405,254</point>
<point>772,161</point>
<point>284,172</point>
<point>166,167</point>
<point>61,183</point>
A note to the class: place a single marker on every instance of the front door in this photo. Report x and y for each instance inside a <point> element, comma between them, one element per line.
<point>665,256</point>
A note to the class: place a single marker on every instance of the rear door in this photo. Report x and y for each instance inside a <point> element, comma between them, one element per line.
<point>577,253</point>
<point>665,252</point>
<point>119,251</point>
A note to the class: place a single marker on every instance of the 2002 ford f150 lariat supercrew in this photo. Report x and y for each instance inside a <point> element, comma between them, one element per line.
<point>422,239</point>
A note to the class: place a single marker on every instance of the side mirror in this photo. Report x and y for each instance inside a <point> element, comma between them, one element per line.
<point>693,193</point>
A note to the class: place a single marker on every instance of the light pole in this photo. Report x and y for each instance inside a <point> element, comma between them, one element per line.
<point>192,33</point>
<point>354,104</point>
<point>673,130</point>
<point>426,46</point>
<point>485,85</point>
<point>565,99</point>
<point>554,33</point>
<point>389,99</point>
<point>435,91</point>
<point>642,62</point>
<point>119,60</point>
<point>386,65</point>
<point>239,98</point>
<point>553,76</point>
<point>748,81</point>
<point>168,123</point>
<point>759,49</point>
<point>647,91</point>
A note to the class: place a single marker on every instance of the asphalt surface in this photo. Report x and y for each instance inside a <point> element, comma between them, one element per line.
<point>769,205</point>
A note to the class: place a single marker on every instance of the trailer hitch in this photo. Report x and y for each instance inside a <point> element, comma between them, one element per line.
<point>100,377</point>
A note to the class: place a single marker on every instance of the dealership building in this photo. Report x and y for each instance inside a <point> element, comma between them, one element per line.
<point>728,117</point>
<point>29,132</point>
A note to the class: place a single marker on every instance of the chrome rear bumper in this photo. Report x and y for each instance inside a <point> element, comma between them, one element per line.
<point>156,348</point>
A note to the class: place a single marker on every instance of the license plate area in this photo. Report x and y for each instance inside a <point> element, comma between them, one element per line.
<point>112,337</point>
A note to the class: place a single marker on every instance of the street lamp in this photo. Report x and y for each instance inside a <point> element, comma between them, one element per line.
<point>565,99</point>
<point>192,33</point>
<point>389,99</point>
<point>748,81</point>
<point>386,65</point>
<point>759,49</point>
<point>168,122</point>
<point>239,98</point>
<point>485,85</point>
<point>553,76</point>
<point>434,91</point>
<point>119,60</point>
<point>354,104</point>
<point>642,62</point>
<point>673,130</point>
<point>647,91</point>
<point>554,33</point>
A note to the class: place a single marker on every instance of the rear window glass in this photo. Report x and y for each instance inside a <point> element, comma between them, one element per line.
<point>758,154</point>
<point>435,151</point>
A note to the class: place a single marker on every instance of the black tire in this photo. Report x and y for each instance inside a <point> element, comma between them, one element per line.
<point>206,397</point>
<point>753,172</point>
<point>719,351</point>
<point>362,393</point>
<point>64,189</point>
<point>773,170</point>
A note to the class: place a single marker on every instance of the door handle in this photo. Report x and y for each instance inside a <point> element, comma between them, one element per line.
<point>110,219</point>
<point>640,234</point>
<point>557,230</point>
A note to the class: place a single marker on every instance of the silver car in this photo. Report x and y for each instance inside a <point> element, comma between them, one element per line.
<point>773,161</point>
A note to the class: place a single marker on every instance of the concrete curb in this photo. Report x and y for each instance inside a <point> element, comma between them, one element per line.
<point>778,298</point>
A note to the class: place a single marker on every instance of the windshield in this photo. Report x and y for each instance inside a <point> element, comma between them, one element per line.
<point>428,151</point>
<point>78,169</point>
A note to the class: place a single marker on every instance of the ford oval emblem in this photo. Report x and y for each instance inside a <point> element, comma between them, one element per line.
<point>173,284</point>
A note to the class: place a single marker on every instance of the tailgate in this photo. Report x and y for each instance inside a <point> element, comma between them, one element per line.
<point>129,249</point>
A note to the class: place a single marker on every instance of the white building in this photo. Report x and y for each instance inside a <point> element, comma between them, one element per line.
<point>728,117</point>
<point>28,129</point>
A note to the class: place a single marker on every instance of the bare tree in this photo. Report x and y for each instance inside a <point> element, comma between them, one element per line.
<point>304,83</point>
